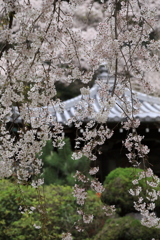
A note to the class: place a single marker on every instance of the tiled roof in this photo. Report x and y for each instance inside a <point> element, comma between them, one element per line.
<point>149,109</point>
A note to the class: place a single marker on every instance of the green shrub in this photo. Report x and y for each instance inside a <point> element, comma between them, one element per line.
<point>11,198</point>
<point>126,228</point>
<point>117,184</point>
<point>62,212</point>
<point>60,217</point>
<point>59,168</point>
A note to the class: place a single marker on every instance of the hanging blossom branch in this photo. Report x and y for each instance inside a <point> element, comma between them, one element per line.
<point>34,36</point>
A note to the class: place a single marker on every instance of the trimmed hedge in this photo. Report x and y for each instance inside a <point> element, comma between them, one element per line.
<point>117,184</point>
<point>126,228</point>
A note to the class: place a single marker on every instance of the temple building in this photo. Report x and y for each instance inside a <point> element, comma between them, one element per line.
<point>113,153</point>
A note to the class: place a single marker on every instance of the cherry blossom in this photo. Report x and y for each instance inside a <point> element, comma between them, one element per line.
<point>63,41</point>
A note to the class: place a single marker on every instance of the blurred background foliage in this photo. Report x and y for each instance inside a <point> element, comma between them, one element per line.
<point>65,92</point>
<point>60,214</point>
<point>126,228</point>
<point>59,168</point>
<point>61,207</point>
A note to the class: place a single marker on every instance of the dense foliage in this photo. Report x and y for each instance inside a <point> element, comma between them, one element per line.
<point>59,167</point>
<point>117,185</point>
<point>126,228</point>
<point>61,212</point>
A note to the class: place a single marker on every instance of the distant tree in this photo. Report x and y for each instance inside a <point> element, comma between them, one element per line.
<point>59,167</point>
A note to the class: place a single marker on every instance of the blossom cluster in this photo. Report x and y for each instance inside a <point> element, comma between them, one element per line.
<point>146,206</point>
<point>67,236</point>
<point>136,149</point>
<point>109,210</point>
<point>80,194</point>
